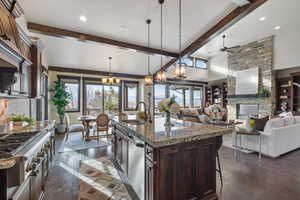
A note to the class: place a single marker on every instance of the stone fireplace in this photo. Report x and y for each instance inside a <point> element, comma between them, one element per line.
<point>259,55</point>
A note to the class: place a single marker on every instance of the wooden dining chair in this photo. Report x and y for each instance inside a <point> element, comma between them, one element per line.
<point>102,124</point>
<point>73,128</point>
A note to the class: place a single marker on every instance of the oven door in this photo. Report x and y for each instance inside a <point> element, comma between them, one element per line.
<point>37,182</point>
<point>136,165</point>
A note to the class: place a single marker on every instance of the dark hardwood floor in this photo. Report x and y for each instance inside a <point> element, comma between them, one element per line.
<point>244,178</point>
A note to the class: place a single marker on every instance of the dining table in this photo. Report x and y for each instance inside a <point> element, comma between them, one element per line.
<point>86,120</point>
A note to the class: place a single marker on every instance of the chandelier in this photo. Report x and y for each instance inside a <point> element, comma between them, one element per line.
<point>110,80</point>
<point>148,79</point>
<point>161,75</point>
<point>180,69</point>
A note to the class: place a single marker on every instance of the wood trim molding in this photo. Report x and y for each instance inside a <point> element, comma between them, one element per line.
<point>58,32</point>
<point>93,72</point>
<point>226,22</point>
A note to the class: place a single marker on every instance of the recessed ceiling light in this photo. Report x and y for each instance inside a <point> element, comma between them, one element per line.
<point>262,19</point>
<point>277,27</point>
<point>83,18</point>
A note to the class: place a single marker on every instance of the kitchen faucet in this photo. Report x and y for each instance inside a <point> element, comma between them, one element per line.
<point>145,111</point>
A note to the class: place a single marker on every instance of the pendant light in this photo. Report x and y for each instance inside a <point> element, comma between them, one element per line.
<point>110,80</point>
<point>148,78</point>
<point>180,69</point>
<point>161,75</point>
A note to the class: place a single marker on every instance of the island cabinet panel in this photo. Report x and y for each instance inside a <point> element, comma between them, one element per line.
<point>120,149</point>
<point>193,163</point>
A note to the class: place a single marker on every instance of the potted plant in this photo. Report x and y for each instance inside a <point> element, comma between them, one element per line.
<point>60,100</point>
<point>21,120</point>
<point>263,92</point>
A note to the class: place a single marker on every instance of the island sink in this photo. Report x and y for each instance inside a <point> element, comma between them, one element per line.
<point>177,163</point>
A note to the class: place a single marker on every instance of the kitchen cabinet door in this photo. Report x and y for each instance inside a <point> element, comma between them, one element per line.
<point>149,180</point>
<point>119,149</point>
<point>169,173</point>
<point>9,33</point>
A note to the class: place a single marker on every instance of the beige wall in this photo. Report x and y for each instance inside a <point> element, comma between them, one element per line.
<point>75,115</point>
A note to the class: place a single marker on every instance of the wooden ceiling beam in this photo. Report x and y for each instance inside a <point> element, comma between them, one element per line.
<point>58,32</point>
<point>226,22</point>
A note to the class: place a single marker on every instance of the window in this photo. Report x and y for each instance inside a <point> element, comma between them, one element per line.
<point>99,97</point>
<point>72,85</point>
<point>187,98</point>
<point>188,61</point>
<point>111,98</point>
<point>200,63</point>
<point>197,97</point>
<point>93,98</point>
<point>131,95</point>
<point>159,93</point>
<point>179,94</point>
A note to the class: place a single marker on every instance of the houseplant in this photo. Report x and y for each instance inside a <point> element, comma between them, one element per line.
<point>168,106</point>
<point>60,100</point>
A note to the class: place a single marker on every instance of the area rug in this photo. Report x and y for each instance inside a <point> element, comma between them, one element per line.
<point>75,143</point>
<point>101,181</point>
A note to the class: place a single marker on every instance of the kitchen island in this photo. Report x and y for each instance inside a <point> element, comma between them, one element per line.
<point>177,163</point>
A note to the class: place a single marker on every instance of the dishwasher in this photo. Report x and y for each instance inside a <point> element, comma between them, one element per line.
<point>136,165</point>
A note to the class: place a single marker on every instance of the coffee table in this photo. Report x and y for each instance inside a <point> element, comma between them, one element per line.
<point>240,132</point>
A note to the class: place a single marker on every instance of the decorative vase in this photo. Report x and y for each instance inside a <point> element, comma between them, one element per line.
<point>60,128</point>
<point>168,120</point>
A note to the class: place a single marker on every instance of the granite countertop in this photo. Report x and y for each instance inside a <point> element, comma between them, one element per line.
<point>33,128</point>
<point>157,135</point>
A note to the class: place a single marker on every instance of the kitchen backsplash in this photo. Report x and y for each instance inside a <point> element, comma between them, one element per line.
<point>9,106</point>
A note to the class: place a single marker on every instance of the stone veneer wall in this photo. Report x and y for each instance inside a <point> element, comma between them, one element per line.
<point>259,55</point>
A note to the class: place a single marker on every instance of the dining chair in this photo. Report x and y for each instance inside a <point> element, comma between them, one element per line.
<point>102,124</point>
<point>73,128</point>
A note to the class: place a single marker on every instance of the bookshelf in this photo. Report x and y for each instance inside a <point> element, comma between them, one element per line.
<point>216,94</point>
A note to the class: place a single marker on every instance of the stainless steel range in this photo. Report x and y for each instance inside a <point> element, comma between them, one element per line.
<point>24,161</point>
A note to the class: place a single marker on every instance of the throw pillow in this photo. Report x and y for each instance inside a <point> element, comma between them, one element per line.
<point>259,123</point>
<point>274,123</point>
<point>289,121</point>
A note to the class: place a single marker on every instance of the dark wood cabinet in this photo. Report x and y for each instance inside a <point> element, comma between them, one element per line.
<point>8,30</point>
<point>149,180</point>
<point>121,150</point>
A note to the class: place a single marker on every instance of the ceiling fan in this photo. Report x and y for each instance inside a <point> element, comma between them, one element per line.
<point>228,49</point>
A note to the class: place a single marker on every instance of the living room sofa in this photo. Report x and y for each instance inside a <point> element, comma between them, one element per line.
<point>280,136</point>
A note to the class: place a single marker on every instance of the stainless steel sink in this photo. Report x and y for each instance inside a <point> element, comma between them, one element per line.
<point>133,121</point>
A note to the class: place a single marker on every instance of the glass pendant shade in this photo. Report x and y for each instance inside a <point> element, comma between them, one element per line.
<point>161,76</point>
<point>148,80</point>
<point>180,71</point>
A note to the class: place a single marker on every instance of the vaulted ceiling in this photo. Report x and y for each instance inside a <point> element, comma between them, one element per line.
<point>123,21</point>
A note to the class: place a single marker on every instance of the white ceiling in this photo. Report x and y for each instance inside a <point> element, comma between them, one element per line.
<point>283,13</point>
<point>110,18</point>
<point>72,53</point>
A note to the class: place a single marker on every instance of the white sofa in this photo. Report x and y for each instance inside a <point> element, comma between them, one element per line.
<point>280,135</point>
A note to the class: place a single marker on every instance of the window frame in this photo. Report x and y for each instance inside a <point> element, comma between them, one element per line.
<point>61,78</point>
<point>96,81</point>
<point>126,94</point>
<point>200,59</point>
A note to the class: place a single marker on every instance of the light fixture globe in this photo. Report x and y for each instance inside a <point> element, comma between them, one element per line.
<point>161,76</point>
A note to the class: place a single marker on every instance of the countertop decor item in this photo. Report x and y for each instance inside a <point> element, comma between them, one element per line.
<point>60,100</point>
<point>168,106</point>
<point>20,120</point>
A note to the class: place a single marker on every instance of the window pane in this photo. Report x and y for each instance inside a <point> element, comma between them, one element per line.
<point>73,89</point>
<point>178,93</point>
<point>94,98</point>
<point>187,61</point>
<point>200,64</point>
<point>160,93</point>
<point>131,95</point>
<point>197,97</point>
<point>111,98</point>
<point>187,98</point>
